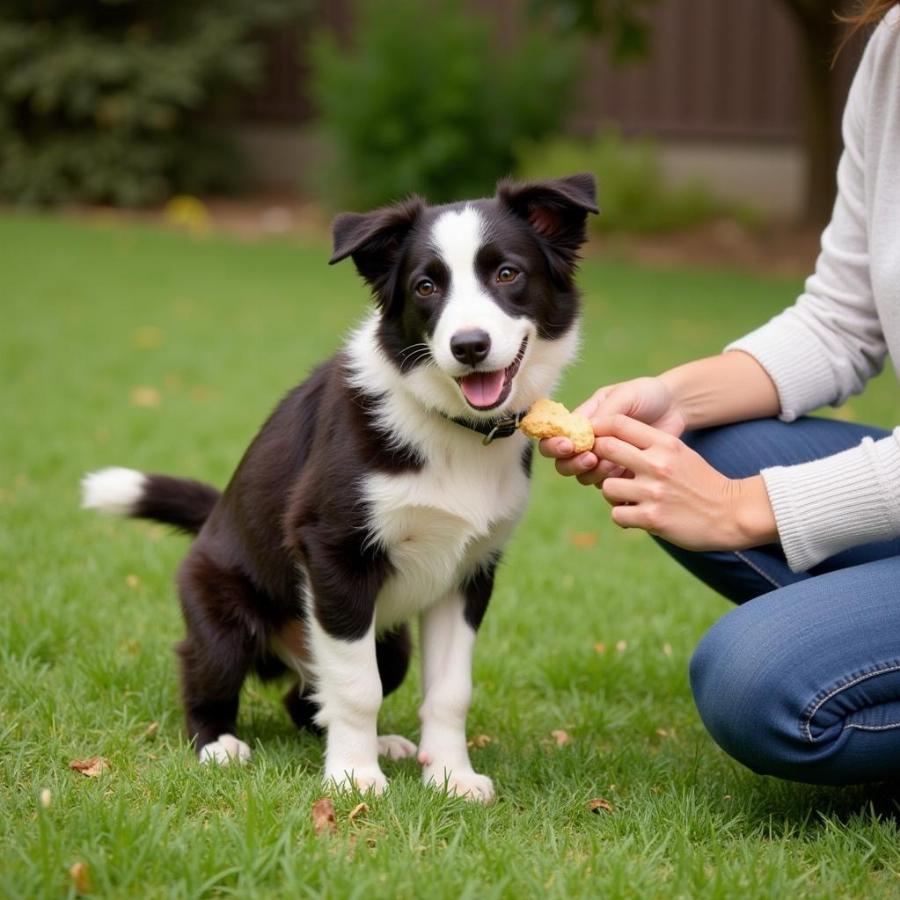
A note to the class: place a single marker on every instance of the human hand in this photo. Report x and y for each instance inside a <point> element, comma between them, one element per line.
<point>672,492</point>
<point>645,399</point>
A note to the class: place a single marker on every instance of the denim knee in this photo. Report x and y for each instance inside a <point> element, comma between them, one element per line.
<point>743,696</point>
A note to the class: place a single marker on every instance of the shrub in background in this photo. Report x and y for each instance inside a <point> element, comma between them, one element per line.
<point>426,100</point>
<point>117,100</point>
<point>632,192</point>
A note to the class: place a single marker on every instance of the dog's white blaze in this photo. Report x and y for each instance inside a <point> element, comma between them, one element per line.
<point>115,490</point>
<point>447,645</point>
<point>348,692</point>
<point>457,238</point>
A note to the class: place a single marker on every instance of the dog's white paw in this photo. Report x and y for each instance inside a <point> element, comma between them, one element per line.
<point>367,778</point>
<point>226,749</point>
<point>395,746</point>
<point>461,782</point>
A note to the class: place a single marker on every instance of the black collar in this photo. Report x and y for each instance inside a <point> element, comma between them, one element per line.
<point>502,427</point>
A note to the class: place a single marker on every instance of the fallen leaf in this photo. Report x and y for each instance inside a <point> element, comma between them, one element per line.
<point>92,767</point>
<point>148,337</point>
<point>80,876</point>
<point>145,396</point>
<point>150,730</point>
<point>584,539</point>
<point>561,737</point>
<point>598,805</point>
<point>667,649</point>
<point>480,741</point>
<point>132,581</point>
<point>620,646</point>
<point>46,798</point>
<point>358,810</point>
<point>600,647</point>
<point>323,817</point>
<point>187,212</point>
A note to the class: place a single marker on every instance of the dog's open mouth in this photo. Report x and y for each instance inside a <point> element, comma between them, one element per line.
<point>487,390</point>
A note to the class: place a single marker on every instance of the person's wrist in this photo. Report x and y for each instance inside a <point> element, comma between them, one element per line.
<point>670,384</point>
<point>752,514</point>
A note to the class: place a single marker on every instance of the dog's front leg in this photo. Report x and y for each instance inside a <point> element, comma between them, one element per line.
<point>447,644</point>
<point>348,693</point>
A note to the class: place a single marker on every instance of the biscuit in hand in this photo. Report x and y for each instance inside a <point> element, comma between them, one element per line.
<point>547,419</point>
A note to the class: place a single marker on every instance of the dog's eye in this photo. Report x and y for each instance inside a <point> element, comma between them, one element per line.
<point>507,275</point>
<point>425,287</point>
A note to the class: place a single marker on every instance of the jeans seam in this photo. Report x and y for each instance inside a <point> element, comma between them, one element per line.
<point>744,559</point>
<point>873,727</point>
<point>809,716</point>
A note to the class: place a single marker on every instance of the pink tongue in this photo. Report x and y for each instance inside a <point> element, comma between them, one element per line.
<point>483,388</point>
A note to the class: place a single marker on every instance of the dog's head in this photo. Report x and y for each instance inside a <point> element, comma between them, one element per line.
<point>478,306</point>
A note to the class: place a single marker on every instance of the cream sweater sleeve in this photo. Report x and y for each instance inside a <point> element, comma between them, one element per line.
<point>825,348</point>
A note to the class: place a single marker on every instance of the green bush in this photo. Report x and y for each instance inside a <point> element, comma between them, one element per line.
<point>633,194</point>
<point>119,100</point>
<point>427,101</point>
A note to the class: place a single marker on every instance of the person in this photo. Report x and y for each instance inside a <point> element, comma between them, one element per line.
<point>795,518</point>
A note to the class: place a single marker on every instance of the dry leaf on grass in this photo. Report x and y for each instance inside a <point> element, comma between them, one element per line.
<point>323,817</point>
<point>480,741</point>
<point>145,396</point>
<point>132,581</point>
<point>583,539</point>
<point>358,810</point>
<point>148,337</point>
<point>150,730</point>
<point>667,649</point>
<point>561,737</point>
<point>599,805</point>
<point>621,646</point>
<point>81,878</point>
<point>600,647</point>
<point>46,798</point>
<point>92,767</point>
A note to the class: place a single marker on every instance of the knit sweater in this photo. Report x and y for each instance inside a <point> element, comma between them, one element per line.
<point>840,330</point>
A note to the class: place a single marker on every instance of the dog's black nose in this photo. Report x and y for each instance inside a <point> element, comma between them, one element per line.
<point>471,347</point>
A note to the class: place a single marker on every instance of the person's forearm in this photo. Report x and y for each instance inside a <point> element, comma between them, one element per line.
<point>731,387</point>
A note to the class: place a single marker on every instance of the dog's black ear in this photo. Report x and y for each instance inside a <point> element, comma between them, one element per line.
<point>375,240</point>
<point>557,210</point>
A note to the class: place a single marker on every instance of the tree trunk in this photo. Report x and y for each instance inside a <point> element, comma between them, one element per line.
<point>821,133</point>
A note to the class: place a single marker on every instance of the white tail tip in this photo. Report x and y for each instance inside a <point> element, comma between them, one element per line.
<point>115,490</point>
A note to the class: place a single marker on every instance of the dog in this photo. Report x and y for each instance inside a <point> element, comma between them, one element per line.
<point>383,487</point>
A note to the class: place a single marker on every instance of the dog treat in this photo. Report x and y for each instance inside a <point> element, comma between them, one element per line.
<point>547,418</point>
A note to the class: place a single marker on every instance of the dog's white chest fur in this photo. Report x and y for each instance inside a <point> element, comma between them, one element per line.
<point>439,523</point>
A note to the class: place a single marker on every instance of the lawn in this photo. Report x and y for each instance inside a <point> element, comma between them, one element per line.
<point>145,348</point>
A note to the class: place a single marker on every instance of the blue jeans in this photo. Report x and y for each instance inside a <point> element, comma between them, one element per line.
<point>802,680</point>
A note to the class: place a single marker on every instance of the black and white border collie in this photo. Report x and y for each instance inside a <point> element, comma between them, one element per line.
<point>383,487</point>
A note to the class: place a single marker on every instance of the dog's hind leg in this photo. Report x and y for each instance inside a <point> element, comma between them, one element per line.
<point>216,655</point>
<point>392,652</point>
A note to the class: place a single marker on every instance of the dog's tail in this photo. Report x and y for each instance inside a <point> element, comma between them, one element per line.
<point>181,502</point>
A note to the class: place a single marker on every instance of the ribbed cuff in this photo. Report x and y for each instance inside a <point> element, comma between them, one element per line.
<point>796,361</point>
<point>841,501</point>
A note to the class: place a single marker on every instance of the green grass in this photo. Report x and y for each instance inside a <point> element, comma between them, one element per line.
<point>90,617</point>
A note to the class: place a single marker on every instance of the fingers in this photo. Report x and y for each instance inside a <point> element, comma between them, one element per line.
<point>556,448</point>
<point>630,517</point>
<point>619,453</point>
<point>631,430</point>
<point>621,490</point>
<point>577,465</point>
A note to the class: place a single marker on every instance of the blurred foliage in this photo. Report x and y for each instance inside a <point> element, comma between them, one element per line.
<point>632,192</point>
<point>119,100</point>
<point>426,100</point>
<point>622,23</point>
